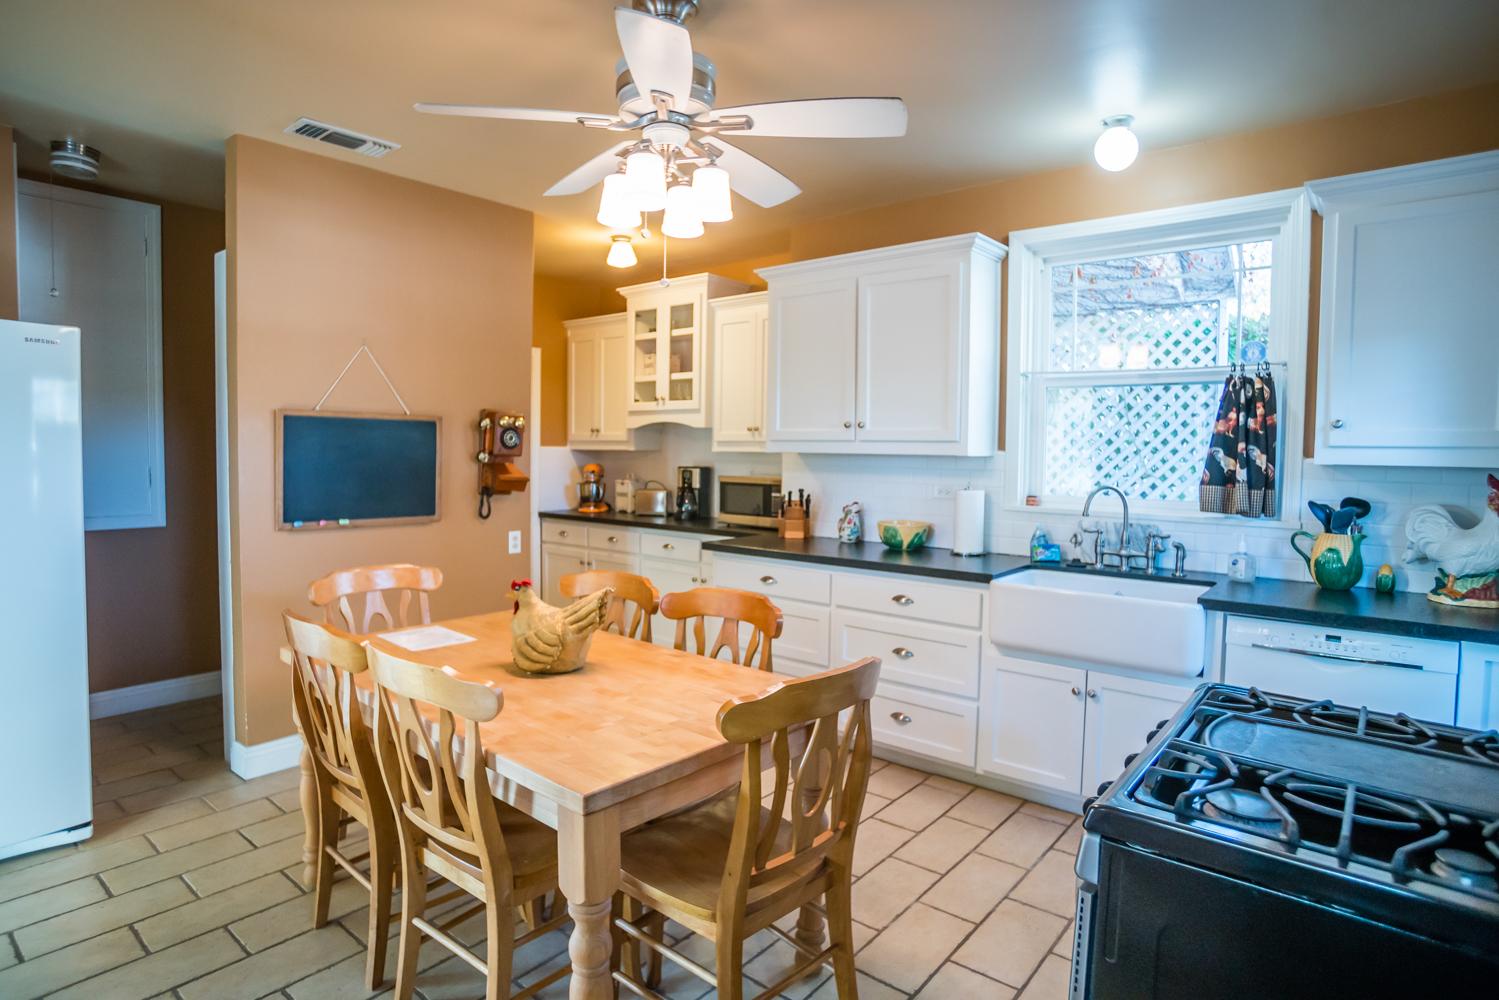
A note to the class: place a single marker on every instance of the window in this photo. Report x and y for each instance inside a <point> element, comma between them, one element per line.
<point>1122,331</point>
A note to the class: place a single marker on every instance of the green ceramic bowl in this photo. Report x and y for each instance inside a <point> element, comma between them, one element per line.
<point>905,536</point>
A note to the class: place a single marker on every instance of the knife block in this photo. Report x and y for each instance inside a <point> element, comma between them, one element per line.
<point>793,521</point>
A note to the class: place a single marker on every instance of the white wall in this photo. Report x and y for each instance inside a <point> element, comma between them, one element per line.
<point>679,446</point>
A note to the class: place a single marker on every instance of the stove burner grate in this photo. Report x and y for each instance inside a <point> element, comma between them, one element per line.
<point>1484,746</point>
<point>1361,722</point>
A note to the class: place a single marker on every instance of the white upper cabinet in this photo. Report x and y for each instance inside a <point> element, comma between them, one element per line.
<point>597,360</point>
<point>1408,370</point>
<point>887,352</point>
<point>668,349</point>
<point>740,325</point>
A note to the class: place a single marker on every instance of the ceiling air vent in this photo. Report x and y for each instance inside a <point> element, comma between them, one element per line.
<point>343,138</point>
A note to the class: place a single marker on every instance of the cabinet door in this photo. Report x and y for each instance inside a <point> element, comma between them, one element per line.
<point>644,333</point>
<point>739,374</point>
<point>1121,711</point>
<point>558,561</point>
<point>910,348</point>
<point>669,576</point>
<point>613,562</point>
<point>1406,289</point>
<point>1033,722</point>
<point>582,388</point>
<point>1478,687</point>
<point>681,346</point>
<point>613,385</point>
<point>810,389</point>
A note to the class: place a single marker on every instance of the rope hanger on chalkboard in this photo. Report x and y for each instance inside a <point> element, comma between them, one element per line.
<point>364,349</point>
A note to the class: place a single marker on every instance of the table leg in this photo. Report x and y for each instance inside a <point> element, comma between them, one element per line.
<point>588,873</point>
<point>309,799</point>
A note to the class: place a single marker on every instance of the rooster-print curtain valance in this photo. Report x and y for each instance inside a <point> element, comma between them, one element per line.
<point>1239,474</point>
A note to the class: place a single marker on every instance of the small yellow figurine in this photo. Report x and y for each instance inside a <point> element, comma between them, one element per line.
<point>1384,580</point>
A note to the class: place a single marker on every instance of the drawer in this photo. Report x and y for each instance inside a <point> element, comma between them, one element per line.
<point>804,634</point>
<point>775,578</point>
<point>670,545</point>
<point>919,722</point>
<point>605,538</point>
<point>903,596</point>
<point>936,657</point>
<point>564,532</point>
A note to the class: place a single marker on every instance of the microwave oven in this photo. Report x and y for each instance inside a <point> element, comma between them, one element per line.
<point>752,500</point>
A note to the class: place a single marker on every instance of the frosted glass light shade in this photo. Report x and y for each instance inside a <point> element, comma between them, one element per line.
<point>645,178</point>
<point>1117,147</point>
<point>710,184</point>
<point>616,208</point>
<point>621,253</point>
<point>681,221</point>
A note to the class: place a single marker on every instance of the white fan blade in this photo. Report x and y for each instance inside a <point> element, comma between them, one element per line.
<point>513,114</point>
<point>825,118</point>
<point>590,173</point>
<point>755,179</point>
<point>659,54</point>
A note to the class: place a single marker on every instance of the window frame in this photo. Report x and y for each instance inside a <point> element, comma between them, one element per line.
<point>1284,217</point>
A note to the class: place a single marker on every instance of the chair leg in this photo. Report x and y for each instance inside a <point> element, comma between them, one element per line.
<point>730,964</point>
<point>533,912</point>
<point>629,948</point>
<point>499,949</point>
<point>382,877</point>
<point>413,905</point>
<point>323,866</point>
<point>841,937</point>
<point>656,927</point>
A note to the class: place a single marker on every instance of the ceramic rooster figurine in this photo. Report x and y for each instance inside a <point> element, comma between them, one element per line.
<point>1467,557</point>
<point>548,640</point>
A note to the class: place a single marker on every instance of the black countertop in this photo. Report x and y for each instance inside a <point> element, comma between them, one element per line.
<point>941,563</point>
<point>1362,608</point>
<point>659,523</point>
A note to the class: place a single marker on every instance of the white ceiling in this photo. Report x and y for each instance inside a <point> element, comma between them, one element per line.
<point>995,88</point>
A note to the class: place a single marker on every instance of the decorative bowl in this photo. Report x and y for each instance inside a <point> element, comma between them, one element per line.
<point>905,536</point>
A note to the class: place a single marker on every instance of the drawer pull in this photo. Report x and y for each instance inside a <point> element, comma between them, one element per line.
<point>903,600</point>
<point>562,533</point>
<point>613,538</point>
<point>769,581</point>
<point>902,652</point>
<point>668,546</point>
<point>901,718</point>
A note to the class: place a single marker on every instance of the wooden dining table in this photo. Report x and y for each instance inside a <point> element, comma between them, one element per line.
<point>630,737</point>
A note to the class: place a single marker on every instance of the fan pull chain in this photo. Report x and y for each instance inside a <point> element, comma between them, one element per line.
<point>52,231</point>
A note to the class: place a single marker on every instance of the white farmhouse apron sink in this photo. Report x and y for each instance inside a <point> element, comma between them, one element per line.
<point>1152,626</point>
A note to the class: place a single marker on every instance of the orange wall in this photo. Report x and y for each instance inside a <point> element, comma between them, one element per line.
<point>168,627</point>
<point>7,223</point>
<point>325,255</point>
<point>553,301</point>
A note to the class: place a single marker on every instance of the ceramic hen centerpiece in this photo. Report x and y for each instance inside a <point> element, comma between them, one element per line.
<point>1465,549</point>
<point>551,640</point>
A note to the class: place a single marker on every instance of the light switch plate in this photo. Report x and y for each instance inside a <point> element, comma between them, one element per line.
<point>515,543</point>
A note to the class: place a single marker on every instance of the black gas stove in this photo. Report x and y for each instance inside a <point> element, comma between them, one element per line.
<point>1272,847</point>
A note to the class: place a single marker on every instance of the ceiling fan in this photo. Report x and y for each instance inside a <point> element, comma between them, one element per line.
<point>666,93</point>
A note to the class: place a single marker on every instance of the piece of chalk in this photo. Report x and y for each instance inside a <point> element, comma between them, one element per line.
<point>343,521</point>
<point>296,524</point>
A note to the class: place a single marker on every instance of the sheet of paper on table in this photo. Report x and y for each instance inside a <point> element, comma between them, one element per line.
<point>426,637</point>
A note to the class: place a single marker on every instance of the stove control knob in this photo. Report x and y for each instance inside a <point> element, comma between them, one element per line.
<point>1151,735</point>
<point>1088,802</point>
<point>1103,788</point>
<point>1161,725</point>
<point>1130,759</point>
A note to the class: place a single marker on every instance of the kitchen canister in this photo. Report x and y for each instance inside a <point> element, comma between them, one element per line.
<point>968,522</point>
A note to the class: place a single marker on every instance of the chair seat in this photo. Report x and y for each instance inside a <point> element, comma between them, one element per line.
<point>532,846</point>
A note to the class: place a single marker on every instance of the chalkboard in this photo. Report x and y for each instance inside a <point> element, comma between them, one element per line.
<point>340,470</point>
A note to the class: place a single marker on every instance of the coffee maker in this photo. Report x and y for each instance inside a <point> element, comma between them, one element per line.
<point>693,497</point>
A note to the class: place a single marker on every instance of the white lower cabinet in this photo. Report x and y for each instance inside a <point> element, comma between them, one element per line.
<point>1478,686</point>
<point>668,576</point>
<point>1065,728</point>
<point>558,561</point>
<point>936,657</point>
<point>920,722</point>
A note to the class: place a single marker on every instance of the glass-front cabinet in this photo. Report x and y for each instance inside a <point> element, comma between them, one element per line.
<point>669,348</point>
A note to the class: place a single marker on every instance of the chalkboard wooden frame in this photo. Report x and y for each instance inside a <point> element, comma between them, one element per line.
<point>282,525</point>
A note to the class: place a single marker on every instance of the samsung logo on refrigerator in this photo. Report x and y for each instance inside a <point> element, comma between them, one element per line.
<point>42,340</point>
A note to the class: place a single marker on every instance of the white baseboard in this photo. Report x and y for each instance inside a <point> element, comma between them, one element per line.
<point>102,704</point>
<point>265,758</point>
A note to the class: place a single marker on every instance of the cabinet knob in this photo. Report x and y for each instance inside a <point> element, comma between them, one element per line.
<point>903,600</point>
<point>847,423</point>
<point>769,581</point>
<point>1337,424</point>
<point>668,546</point>
<point>583,563</point>
<point>861,423</point>
<point>562,533</point>
<point>613,538</point>
<point>902,652</point>
<point>1092,693</point>
<point>901,718</point>
<point>1076,690</point>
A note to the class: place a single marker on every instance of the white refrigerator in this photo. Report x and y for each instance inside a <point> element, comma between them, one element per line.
<point>44,725</point>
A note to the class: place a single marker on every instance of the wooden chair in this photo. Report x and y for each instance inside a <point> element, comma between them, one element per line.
<point>373,583</point>
<point>629,589</point>
<point>346,776</point>
<point>733,866</point>
<point>449,823</point>
<point>732,607</point>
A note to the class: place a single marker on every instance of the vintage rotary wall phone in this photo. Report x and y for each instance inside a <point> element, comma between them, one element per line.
<point>501,438</point>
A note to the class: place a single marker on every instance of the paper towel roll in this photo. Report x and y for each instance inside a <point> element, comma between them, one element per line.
<point>968,523</point>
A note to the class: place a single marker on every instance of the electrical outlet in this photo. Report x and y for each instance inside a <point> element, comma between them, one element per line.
<point>942,492</point>
<point>515,543</point>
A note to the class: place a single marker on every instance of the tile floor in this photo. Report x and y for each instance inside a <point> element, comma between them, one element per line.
<point>190,889</point>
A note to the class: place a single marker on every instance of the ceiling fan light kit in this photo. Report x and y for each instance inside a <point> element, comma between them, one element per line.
<point>666,94</point>
<point>1118,145</point>
<point>621,253</point>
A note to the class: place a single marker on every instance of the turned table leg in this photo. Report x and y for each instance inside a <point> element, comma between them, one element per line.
<point>309,797</point>
<point>588,873</point>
